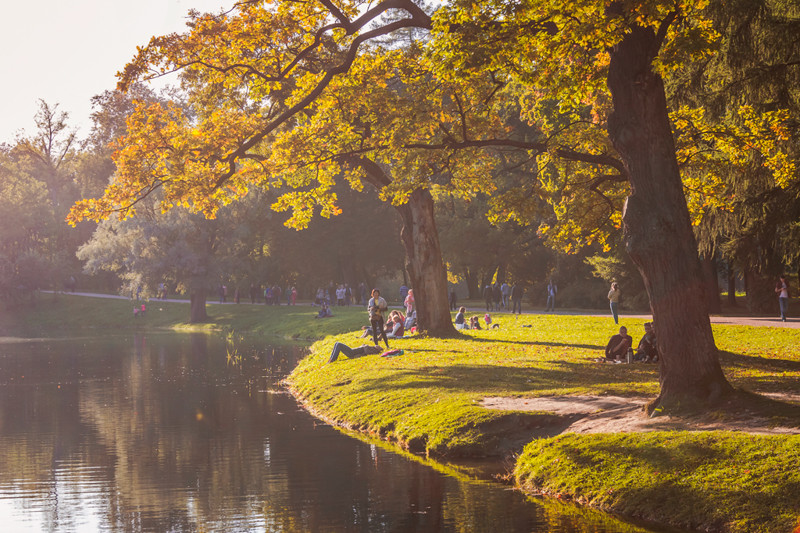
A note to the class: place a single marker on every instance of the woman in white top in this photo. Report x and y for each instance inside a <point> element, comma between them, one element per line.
<point>613,298</point>
<point>782,290</point>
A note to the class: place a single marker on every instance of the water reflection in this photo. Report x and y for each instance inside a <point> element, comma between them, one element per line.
<point>159,433</point>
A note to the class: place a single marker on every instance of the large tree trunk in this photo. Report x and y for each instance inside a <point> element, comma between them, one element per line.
<point>424,263</point>
<point>760,296</point>
<point>425,266</point>
<point>731,285</point>
<point>197,306</point>
<point>658,233</point>
<point>712,284</point>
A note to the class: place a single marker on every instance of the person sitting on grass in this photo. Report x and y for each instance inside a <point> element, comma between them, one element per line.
<point>460,321</point>
<point>411,320</point>
<point>647,350</point>
<point>475,322</point>
<point>324,310</point>
<point>398,329</point>
<point>618,345</point>
<point>341,348</point>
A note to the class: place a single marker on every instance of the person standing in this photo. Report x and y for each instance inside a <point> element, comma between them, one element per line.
<point>403,292</point>
<point>552,290</point>
<point>376,307</point>
<point>516,298</point>
<point>782,290</point>
<point>453,299</point>
<point>505,290</point>
<point>409,302</point>
<point>613,298</point>
<point>487,295</point>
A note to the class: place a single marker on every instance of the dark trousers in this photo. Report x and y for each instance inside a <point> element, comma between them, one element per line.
<point>340,348</point>
<point>377,330</point>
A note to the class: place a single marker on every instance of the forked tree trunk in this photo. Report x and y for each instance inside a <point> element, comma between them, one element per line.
<point>197,306</point>
<point>425,266</point>
<point>424,263</point>
<point>658,233</point>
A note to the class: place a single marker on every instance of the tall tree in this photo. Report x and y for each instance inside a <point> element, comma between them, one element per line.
<point>183,249</point>
<point>589,76</point>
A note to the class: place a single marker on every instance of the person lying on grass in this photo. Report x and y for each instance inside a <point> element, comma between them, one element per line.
<point>341,348</point>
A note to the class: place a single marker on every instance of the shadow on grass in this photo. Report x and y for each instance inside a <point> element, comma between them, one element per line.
<point>536,343</point>
<point>762,363</point>
<point>491,379</point>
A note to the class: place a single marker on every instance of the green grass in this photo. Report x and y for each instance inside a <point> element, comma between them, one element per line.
<point>715,481</point>
<point>427,400</point>
<point>65,312</point>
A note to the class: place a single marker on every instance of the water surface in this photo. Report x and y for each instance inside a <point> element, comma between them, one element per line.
<point>161,432</point>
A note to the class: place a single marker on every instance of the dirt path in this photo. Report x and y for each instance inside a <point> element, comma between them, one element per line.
<point>615,414</point>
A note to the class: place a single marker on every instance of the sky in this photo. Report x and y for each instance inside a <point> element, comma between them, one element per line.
<point>66,52</point>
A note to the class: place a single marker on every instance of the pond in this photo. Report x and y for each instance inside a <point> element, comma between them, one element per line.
<point>167,432</point>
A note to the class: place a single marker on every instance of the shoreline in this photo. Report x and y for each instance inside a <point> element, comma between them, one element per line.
<point>432,401</point>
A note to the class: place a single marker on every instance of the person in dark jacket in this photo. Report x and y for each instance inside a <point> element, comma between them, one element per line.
<point>488,296</point>
<point>516,298</point>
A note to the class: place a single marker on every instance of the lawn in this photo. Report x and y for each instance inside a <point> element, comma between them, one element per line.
<point>427,400</point>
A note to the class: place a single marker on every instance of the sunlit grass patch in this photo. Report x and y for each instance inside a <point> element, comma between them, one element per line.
<point>709,480</point>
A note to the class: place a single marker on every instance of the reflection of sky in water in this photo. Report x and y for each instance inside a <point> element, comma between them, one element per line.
<point>159,433</point>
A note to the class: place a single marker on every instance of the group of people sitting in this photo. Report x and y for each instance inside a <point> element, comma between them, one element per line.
<point>395,326</point>
<point>619,344</point>
<point>460,320</point>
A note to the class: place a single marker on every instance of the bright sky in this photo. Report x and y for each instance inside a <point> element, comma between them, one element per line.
<point>65,52</point>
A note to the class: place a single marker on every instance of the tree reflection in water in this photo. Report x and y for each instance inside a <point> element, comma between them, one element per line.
<point>160,433</point>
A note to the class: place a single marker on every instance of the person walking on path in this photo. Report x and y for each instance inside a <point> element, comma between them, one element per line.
<point>376,307</point>
<point>782,290</point>
<point>516,298</point>
<point>552,289</point>
<point>488,296</point>
<point>613,298</point>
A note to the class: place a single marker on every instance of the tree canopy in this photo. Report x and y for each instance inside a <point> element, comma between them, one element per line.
<point>519,100</point>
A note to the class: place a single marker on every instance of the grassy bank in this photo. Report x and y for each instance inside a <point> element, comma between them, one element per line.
<point>428,401</point>
<point>712,481</point>
<point>66,312</point>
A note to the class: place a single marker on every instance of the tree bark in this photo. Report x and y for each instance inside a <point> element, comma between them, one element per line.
<point>731,285</point>
<point>197,306</point>
<point>760,293</point>
<point>657,228</point>
<point>424,265</point>
<point>712,284</point>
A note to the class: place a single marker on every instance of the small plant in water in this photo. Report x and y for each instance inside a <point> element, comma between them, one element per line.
<point>232,340</point>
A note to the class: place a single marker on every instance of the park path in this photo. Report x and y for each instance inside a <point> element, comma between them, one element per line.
<point>762,321</point>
